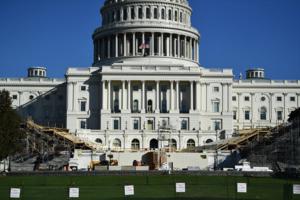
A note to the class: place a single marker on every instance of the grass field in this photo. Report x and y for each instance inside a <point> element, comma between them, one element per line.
<point>147,187</point>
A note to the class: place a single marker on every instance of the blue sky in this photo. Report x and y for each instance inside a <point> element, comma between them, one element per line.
<point>235,34</point>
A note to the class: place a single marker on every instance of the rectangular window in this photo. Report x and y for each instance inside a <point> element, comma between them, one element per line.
<point>247,98</point>
<point>217,125</point>
<point>15,97</point>
<point>82,124</point>
<point>292,99</point>
<point>150,124</point>
<point>136,124</point>
<point>116,124</point>
<point>279,115</point>
<point>216,106</point>
<point>82,106</point>
<point>83,88</point>
<point>279,98</point>
<point>216,89</point>
<point>234,98</point>
<point>132,13</point>
<point>234,115</point>
<point>247,115</point>
<point>184,124</point>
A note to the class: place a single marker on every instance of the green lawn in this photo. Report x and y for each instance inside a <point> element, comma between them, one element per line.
<point>147,187</point>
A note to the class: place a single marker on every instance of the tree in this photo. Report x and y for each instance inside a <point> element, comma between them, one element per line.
<point>10,133</point>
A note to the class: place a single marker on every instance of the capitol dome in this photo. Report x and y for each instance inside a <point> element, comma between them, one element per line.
<point>146,31</point>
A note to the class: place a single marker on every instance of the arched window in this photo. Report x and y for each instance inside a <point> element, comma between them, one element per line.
<point>150,106</point>
<point>170,15</point>
<point>135,144</point>
<point>155,13</point>
<point>154,144</point>
<point>140,12</point>
<point>173,144</point>
<point>263,113</point>
<point>148,13</point>
<point>163,15</point>
<point>209,141</point>
<point>191,144</point>
<point>135,106</point>
<point>132,11</point>
<point>117,143</point>
<point>125,14</point>
<point>180,17</point>
<point>98,140</point>
<point>176,16</point>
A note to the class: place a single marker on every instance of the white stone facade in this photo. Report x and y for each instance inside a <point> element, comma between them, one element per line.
<point>146,77</point>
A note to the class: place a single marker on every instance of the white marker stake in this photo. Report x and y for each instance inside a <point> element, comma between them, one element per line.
<point>129,190</point>
<point>242,187</point>
<point>180,187</point>
<point>296,189</point>
<point>15,193</point>
<point>74,193</point>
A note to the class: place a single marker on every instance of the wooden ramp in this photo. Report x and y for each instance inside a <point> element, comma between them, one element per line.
<point>65,135</point>
<point>244,138</point>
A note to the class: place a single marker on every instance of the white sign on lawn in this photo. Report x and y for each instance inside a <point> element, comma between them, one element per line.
<point>180,187</point>
<point>242,187</point>
<point>74,193</point>
<point>296,189</point>
<point>129,190</point>
<point>15,193</point>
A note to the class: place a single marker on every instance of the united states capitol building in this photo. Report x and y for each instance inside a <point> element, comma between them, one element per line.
<point>146,78</point>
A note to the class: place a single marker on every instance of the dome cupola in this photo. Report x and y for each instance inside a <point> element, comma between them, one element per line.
<point>146,30</point>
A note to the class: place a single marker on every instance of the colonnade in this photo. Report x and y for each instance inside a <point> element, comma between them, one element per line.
<point>126,101</point>
<point>146,44</point>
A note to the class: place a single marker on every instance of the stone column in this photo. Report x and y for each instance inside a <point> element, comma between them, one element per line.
<point>224,97</point>
<point>197,50</point>
<point>185,48</point>
<point>143,42</point>
<point>206,97</point>
<point>159,45</point>
<point>172,96</point>
<point>198,99</point>
<point>123,96</point>
<point>177,96</point>
<point>125,45</point>
<point>109,96</point>
<point>284,106</point>
<point>178,48</point>
<point>152,43</point>
<point>129,96</point>
<point>252,107</point>
<point>162,44</point>
<point>271,106</point>
<point>192,95</point>
<point>117,48</point>
<point>104,96</point>
<point>143,97</point>
<point>238,119</point>
<point>69,97</point>
<point>133,44</point>
<point>75,100</point>
<point>157,97</point>
<point>171,45</point>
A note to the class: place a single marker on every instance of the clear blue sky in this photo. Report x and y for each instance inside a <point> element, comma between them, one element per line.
<point>236,34</point>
